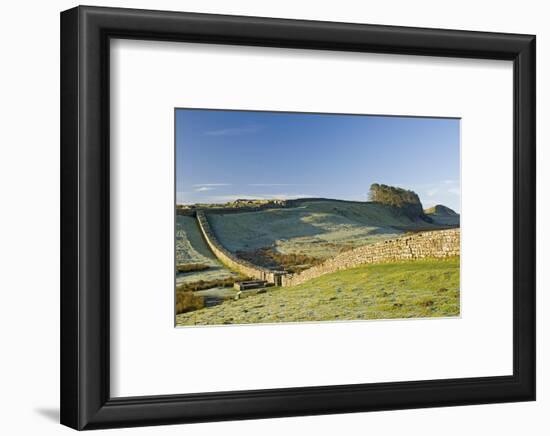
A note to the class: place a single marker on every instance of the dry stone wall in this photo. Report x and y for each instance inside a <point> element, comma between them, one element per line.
<point>228,258</point>
<point>434,244</point>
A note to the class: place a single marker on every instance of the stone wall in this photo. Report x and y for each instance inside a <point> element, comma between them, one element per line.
<point>434,244</point>
<point>229,259</point>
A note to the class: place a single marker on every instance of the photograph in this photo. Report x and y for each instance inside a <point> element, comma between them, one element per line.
<point>310,217</point>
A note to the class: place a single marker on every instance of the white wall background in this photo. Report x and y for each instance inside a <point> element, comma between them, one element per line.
<point>29,229</point>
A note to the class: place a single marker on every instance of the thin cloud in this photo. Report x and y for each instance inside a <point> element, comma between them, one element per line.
<point>233,131</point>
<point>281,184</point>
<point>211,184</point>
<point>275,184</point>
<point>270,184</point>
<point>204,188</point>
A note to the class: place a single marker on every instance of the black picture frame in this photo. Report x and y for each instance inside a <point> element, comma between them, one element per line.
<point>85,399</point>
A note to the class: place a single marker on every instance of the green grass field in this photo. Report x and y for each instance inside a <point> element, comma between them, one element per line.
<point>417,289</point>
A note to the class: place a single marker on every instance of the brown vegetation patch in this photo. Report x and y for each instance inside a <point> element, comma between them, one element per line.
<point>191,267</point>
<point>186,301</point>
<point>269,258</point>
<point>208,284</point>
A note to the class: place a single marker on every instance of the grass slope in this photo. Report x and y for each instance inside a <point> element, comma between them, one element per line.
<point>192,249</point>
<point>315,228</point>
<point>425,288</point>
<point>443,215</point>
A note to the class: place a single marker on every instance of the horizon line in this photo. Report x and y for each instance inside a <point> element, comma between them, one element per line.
<point>301,199</point>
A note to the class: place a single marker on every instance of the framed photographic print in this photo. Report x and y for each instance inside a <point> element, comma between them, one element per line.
<point>266,217</point>
<point>302,235</point>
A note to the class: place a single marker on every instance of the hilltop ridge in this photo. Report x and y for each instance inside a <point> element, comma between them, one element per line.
<point>443,215</point>
<point>439,209</point>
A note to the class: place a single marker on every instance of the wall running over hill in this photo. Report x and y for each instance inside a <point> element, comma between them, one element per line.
<point>434,244</point>
<point>228,258</point>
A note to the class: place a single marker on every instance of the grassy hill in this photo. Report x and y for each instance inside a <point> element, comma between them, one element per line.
<point>443,215</point>
<point>192,249</point>
<point>319,228</point>
<point>425,288</point>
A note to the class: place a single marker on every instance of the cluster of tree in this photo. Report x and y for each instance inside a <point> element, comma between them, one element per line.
<point>392,195</point>
<point>406,201</point>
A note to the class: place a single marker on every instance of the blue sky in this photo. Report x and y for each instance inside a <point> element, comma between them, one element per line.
<point>225,155</point>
